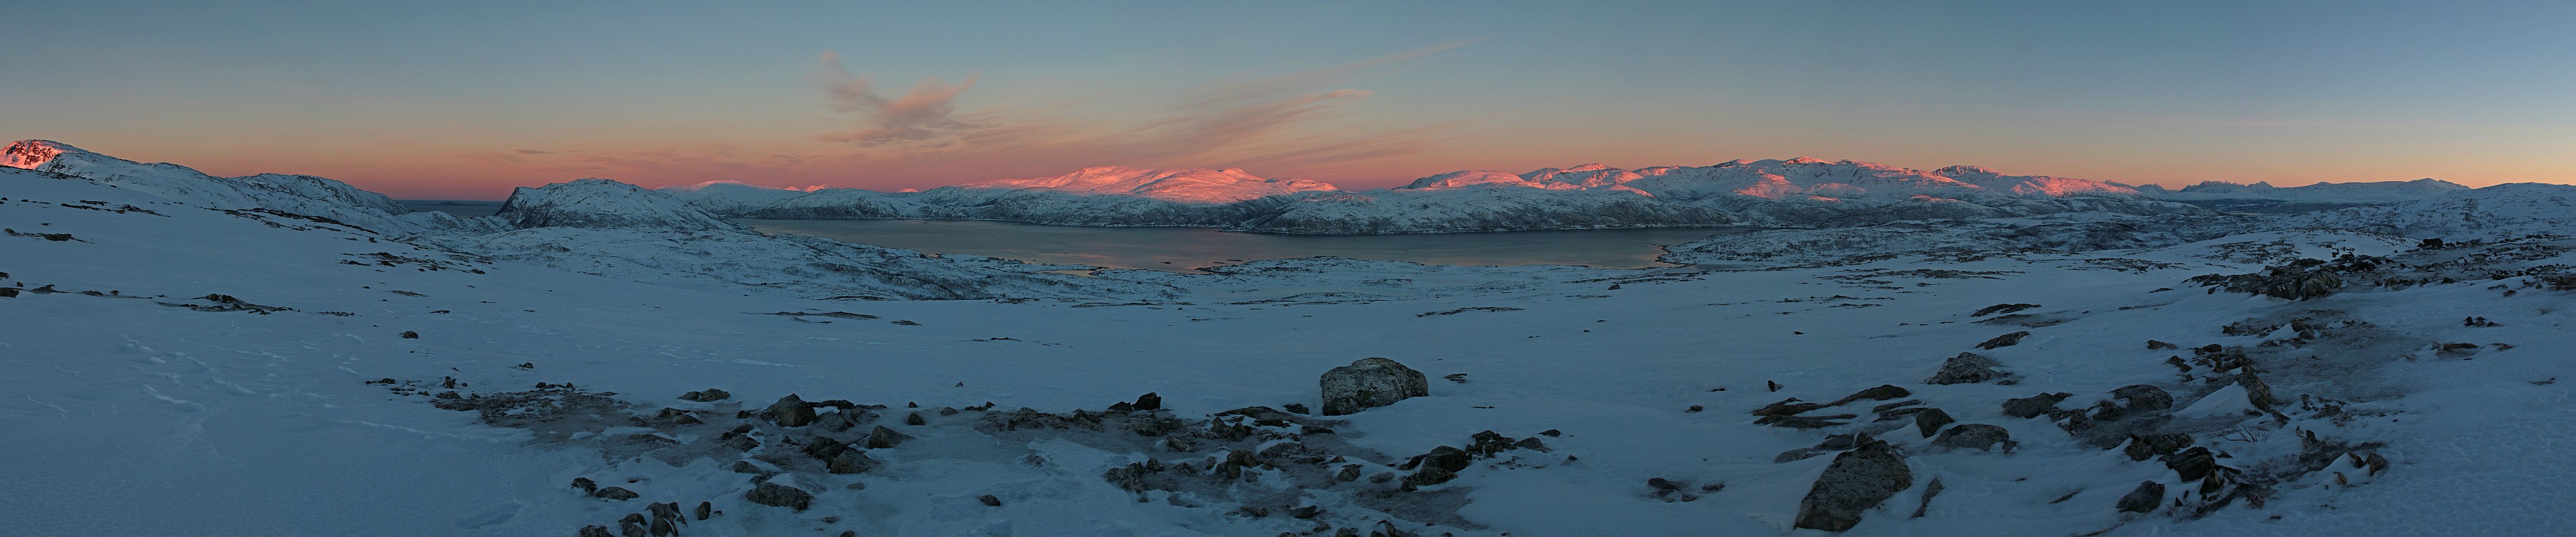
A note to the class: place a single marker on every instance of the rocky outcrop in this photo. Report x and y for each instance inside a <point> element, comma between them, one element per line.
<point>1370,383</point>
<point>1968,368</point>
<point>777,495</point>
<point>1857,481</point>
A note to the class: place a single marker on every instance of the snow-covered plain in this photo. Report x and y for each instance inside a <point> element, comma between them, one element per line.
<point>155,388</point>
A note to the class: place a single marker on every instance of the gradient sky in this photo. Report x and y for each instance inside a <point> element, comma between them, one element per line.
<point>460,100</point>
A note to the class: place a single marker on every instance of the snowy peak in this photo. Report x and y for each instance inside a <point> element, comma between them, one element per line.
<point>605,204</point>
<point>1186,185</point>
<point>30,154</point>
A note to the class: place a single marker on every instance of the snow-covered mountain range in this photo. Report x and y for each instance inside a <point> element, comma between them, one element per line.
<point>1797,192</point>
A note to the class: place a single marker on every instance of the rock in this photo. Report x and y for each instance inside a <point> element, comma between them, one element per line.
<point>1974,435</point>
<point>2005,340</point>
<point>2144,398</point>
<point>1149,401</point>
<point>1929,490</point>
<point>670,510</point>
<point>1930,421</point>
<point>1370,383</point>
<point>1967,368</point>
<point>1530,443</point>
<point>1297,408</point>
<point>989,500</point>
<point>914,419</point>
<point>595,530</point>
<point>2144,446</point>
<point>1857,480</point>
<point>1429,475</point>
<point>709,394</point>
<point>2192,464</point>
<point>791,411</point>
<point>1881,393</point>
<point>2256,391</point>
<point>706,509</point>
<point>2001,308</point>
<point>746,467</point>
<point>1882,409</point>
<point>1805,422</point>
<point>883,438</point>
<point>616,493</point>
<point>1786,407</point>
<point>850,461</point>
<point>1445,457</point>
<point>776,495</point>
<point>1661,483</point>
<point>2145,498</point>
<point>630,529</point>
<point>2033,406</point>
<point>661,527</point>
<point>2154,345</point>
<point>586,485</point>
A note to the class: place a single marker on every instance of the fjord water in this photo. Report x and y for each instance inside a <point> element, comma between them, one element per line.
<point>1182,248</point>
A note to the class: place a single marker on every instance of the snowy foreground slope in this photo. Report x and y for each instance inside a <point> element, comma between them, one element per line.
<point>176,367</point>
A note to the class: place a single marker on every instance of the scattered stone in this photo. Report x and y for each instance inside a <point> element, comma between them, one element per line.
<point>1775,385</point>
<point>1805,422</point>
<point>1299,408</point>
<point>1694,408</point>
<point>850,461</point>
<point>2001,308</point>
<point>1967,368</point>
<point>1857,480</point>
<point>791,411</point>
<point>1974,435</point>
<point>2005,340</point>
<point>914,419</point>
<point>1930,421</point>
<point>1786,407</point>
<point>2154,345</point>
<point>1661,483</point>
<point>709,394</point>
<point>2146,497</point>
<point>595,530</point>
<point>1530,443</point>
<point>2144,446</point>
<point>706,509</point>
<point>616,493</point>
<point>989,500</point>
<point>1882,409</point>
<point>407,334</point>
<point>586,485</point>
<point>2192,464</point>
<point>1881,393</point>
<point>1370,383</point>
<point>2144,398</point>
<point>1149,402</point>
<point>1929,491</point>
<point>882,438</point>
<point>776,495</point>
<point>2033,406</point>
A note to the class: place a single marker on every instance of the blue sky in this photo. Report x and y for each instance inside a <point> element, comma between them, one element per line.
<point>463,99</point>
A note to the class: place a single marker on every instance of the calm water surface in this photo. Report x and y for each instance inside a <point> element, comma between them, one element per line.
<point>1181,248</point>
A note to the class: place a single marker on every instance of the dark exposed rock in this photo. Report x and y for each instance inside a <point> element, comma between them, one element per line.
<point>586,485</point>
<point>615,493</point>
<point>1881,393</point>
<point>2001,308</point>
<point>1966,368</point>
<point>1661,483</point>
<point>914,419</point>
<point>1530,443</point>
<point>1370,383</point>
<point>791,411</point>
<point>1929,490</point>
<point>1786,407</point>
<point>882,438</point>
<point>1930,420</point>
<point>2005,340</point>
<point>1429,475</point>
<point>1149,402</point>
<point>2033,406</point>
<point>1805,422</point>
<point>709,394</point>
<point>2299,280</point>
<point>1857,480</point>
<point>990,500</point>
<point>706,509</point>
<point>595,530</point>
<point>1974,435</point>
<point>407,334</point>
<point>2144,446</point>
<point>2257,391</point>
<point>1295,408</point>
<point>776,495</point>
<point>2192,464</point>
<point>2154,345</point>
<point>2146,497</point>
<point>2144,398</point>
<point>1882,409</point>
<point>850,462</point>
<point>661,527</point>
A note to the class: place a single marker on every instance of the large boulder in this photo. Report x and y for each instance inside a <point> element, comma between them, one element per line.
<point>1968,368</point>
<point>1857,481</point>
<point>1370,383</point>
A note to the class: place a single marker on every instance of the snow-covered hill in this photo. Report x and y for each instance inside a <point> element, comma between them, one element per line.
<point>605,204</point>
<point>2263,197</point>
<point>300,194</point>
<point>1798,192</point>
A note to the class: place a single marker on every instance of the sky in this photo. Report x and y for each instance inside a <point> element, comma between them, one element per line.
<point>462,100</point>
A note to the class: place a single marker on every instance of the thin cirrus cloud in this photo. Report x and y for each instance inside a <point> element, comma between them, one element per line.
<point>927,137</point>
